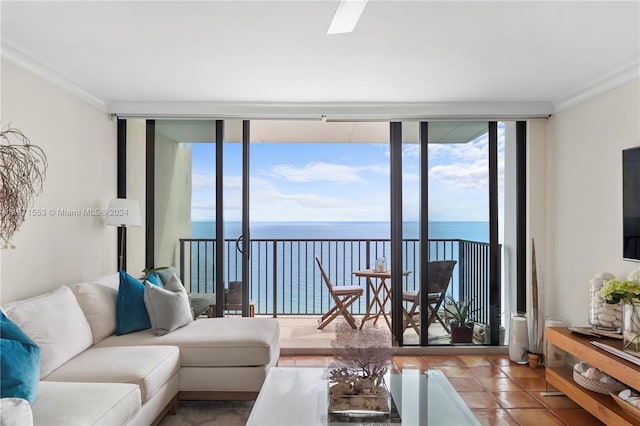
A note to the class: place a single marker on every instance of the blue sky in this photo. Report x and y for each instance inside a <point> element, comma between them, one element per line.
<point>344,182</point>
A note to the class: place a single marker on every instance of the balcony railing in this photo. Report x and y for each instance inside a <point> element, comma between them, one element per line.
<point>284,278</point>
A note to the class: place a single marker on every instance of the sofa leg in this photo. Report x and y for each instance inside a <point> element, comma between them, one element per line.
<point>171,408</point>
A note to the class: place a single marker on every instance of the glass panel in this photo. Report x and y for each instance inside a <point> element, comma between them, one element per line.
<point>317,189</point>
<point>185,200</point>
<point>458,231</point>
<point>136,184</point>
<point>507,221</point>
<point>232,193</point>
<point>411,231</point>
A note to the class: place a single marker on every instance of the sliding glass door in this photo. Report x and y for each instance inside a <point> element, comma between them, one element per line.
<point>423,195</point>
<point>451,190</point>
<point>183,177</point>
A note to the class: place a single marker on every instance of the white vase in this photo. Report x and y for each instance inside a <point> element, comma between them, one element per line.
<point>518,338</point>
<point>631,327</point>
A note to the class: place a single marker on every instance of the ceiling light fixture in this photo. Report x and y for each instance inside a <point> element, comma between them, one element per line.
<point>346,17</point>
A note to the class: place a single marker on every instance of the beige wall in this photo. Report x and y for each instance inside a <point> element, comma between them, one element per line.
<point>173,199</point>
<point>79,141</point>
<point>136,190</point>
<point>172,195</point>
<point>584,197</point>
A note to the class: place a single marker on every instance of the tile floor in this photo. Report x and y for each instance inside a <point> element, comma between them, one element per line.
<point>301,332</point>
<point>498,391</point>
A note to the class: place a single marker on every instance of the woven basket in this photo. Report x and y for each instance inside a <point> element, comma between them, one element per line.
<point>631,409</point>
<point>597,385</point>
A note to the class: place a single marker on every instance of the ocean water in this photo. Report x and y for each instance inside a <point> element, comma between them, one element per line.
<point>473,231</point>
<point>284,276</point>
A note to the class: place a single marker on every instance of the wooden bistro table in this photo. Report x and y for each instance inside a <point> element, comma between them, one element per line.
<point>381,294</point>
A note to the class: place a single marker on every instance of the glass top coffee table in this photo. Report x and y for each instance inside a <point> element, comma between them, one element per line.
<point>298,396</point>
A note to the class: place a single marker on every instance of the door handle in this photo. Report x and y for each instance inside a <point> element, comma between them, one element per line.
<point>242,250</point>
<point>238,241</point>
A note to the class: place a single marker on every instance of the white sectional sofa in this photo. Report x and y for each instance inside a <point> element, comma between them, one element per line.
<point>90,376</point>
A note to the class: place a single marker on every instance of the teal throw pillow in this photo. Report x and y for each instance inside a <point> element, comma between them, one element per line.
<point>131,313</point>
<point>19,363</point>
<point>154,279</point>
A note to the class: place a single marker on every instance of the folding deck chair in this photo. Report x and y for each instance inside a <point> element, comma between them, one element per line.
<point>343,296</point>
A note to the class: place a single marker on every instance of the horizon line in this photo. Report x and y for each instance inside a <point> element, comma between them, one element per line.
<point>342,221</point>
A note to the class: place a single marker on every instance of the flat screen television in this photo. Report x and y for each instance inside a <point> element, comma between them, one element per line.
<point>631,203</point>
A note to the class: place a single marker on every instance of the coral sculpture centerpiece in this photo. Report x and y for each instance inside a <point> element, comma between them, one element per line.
<point>356,381</point>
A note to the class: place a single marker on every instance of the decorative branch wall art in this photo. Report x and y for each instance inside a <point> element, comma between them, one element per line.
<point>23,168</point>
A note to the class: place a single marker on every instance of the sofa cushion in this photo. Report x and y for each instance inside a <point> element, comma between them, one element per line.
<point>149,367</point>
<point>168,307</point>
<point>15,412</point>
<point>131,313</point>
<point>111,280</point>
<point>69,404</point>
<point>19,362</point>
<point>55,322</point>
<point>214,342</point>
<point>98,302</point>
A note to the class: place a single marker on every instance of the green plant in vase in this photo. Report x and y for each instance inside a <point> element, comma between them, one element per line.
<point>629,293</point>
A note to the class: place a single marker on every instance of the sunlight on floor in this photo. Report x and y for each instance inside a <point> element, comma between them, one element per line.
<point>301,332</point>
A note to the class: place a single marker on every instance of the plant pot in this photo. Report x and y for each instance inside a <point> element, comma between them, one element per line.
<point>461,333</point>
<point>534,360</point>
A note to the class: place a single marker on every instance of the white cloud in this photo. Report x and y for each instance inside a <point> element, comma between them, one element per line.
<point>411,151</point>
<point>230,182</point>
<point>458,187</point>
<point>410,177</point>
<point>314,172</point>
<point>462,176</point>
<point>203,180</point>
<point>325,172</point>
<point>263,198</point>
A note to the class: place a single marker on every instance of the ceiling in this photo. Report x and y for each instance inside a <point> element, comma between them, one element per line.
<point>275,58</point>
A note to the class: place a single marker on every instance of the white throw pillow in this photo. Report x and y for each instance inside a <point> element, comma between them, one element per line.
<point>98,302</point>
<point>111,280</point>
<point>15,412</point>
<point>55,322</point>
<point>168,307</point>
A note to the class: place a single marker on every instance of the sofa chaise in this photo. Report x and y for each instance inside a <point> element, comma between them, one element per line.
<point>89,375</point>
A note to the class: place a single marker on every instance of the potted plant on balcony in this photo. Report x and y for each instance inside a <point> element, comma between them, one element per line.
<point>461,322</point>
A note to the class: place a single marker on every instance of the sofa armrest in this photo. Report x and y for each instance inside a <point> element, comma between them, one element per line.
<point>15,412</point>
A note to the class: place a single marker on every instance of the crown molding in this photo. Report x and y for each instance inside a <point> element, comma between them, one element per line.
<point>334,111</point>
<point>331,111</point>
<point>597,87</point>
<point>18,57</point>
